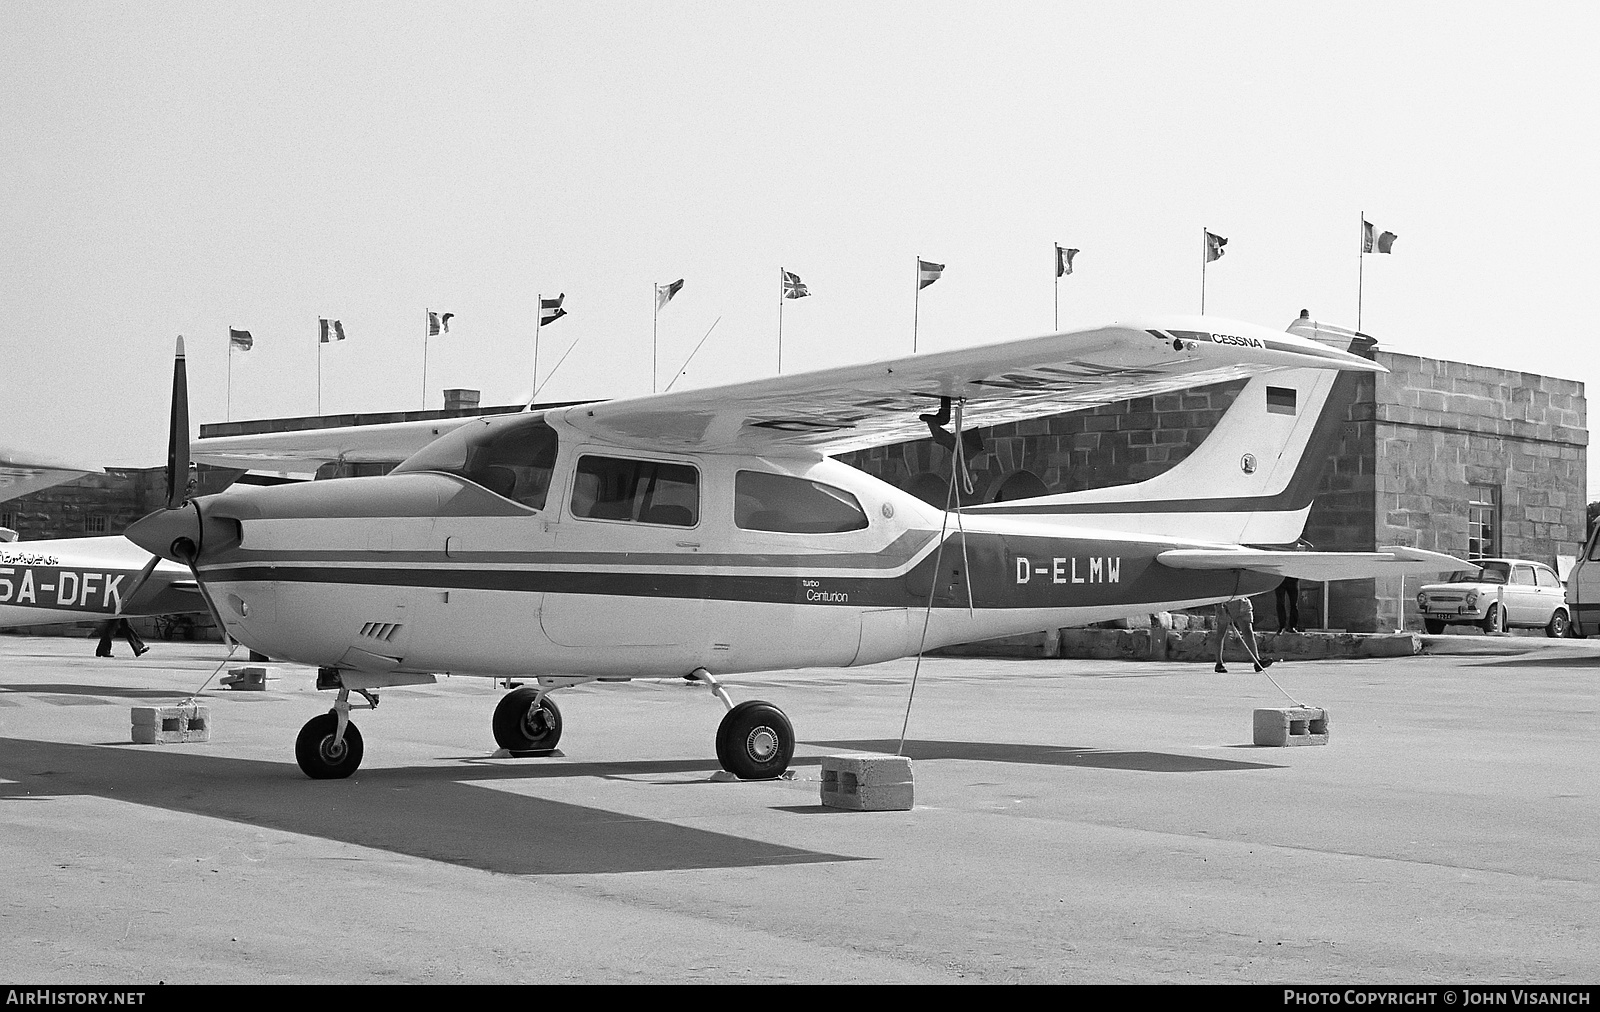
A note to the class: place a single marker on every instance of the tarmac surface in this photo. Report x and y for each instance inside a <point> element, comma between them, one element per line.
<point>1076,821</point>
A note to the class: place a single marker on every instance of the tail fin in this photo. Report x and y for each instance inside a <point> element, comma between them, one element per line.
<point>1251,480</point>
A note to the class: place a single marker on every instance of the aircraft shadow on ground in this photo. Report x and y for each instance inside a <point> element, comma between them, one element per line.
<point>1048,755</point>
<point>423,812</point>
<point>1585,660</point>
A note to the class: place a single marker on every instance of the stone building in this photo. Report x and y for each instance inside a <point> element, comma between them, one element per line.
<point>1447,456</point>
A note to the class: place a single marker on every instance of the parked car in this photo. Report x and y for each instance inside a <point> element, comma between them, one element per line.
<point>1502,594</point>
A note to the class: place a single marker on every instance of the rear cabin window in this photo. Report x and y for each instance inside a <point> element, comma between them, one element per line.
<point>790,505</point>
<point>638,491</point>
<point>512,457</point>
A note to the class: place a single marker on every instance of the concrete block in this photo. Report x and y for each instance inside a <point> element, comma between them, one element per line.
<point>1291,725</point>
<point>250,679</point>
<point>867,783</point>
<point>171,725</point>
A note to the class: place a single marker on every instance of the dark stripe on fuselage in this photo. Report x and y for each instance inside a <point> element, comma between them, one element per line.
<point>1008,572</point>
<point>896,554</point>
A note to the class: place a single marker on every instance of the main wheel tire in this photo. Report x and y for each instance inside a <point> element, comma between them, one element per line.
<point>755,741</point>
<point>522,726</point>
<point>316,753</point>
<point>1558,625</point>
<point>1435,626</point>
<point>1494,620</point>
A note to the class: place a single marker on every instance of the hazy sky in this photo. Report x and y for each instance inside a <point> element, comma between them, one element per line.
<point>177,168</point>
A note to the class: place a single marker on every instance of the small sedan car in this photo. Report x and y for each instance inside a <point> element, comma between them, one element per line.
<point>1503,594</point>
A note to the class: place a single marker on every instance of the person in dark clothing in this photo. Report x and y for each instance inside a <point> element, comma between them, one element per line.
<point>1288,598</point>
<point>114,628</point>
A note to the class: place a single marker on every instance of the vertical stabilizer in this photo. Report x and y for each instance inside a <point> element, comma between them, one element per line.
<point>1251,480</point>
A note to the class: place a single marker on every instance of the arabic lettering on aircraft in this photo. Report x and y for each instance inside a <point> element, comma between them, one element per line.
<point>1067,569</point>
<point>27,559</point>
<point>49,587</point>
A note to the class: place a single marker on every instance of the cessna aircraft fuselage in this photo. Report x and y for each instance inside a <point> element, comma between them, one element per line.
<point>609,563</point>
<point>85,579</point>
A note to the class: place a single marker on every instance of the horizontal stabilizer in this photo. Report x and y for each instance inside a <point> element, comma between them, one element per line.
<point>1322,566</point>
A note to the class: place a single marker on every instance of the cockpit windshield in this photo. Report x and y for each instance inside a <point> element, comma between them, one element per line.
<point>511,456</point>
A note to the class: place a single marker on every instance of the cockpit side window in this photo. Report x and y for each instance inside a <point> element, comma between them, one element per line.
<point>637,491</point>
<point>788,505</point>
<point>513,458</point>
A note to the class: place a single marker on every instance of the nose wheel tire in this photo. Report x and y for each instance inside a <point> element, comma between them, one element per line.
<point>521,725</point>
<point>755,741</point>
<point>319,757</point>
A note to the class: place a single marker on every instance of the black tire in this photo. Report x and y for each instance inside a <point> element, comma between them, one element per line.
<point>755,741</point>
<point>1494,620</point>
<point>1557,629</point>
<point>520,726</point>
<point>1435,626</point>
<point>315,753</point>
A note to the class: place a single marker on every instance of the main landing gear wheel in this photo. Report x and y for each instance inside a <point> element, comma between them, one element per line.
<point>755,741</point>
<point>525,723</point>
<point>317,754</point>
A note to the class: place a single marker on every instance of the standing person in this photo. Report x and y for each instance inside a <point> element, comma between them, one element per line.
<point>1288,598</point>
<point>1238,615</point>
<point>114,627</point>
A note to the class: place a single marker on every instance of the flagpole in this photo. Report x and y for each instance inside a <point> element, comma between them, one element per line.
<point>424,358</point>
<point>1205,254</point>
<point>655,323</point>
<point>319,372</point>
<point>916,304</point>
<point>538,324</point>
<point>1361,268</point>
<point>229,414</point>
<point>780,321</point>
<point>1056,298</point>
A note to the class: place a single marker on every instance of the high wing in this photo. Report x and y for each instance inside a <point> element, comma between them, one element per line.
<point>25,473</point>
<point>854,407</point>
<point>305,450</point>
<point>1395,561</point>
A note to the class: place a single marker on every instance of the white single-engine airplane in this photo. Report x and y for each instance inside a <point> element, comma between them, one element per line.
<point>707,532</point>
<point>79,579</point>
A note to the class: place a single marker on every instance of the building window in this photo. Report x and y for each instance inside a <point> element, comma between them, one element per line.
<point>1483,521</point>
<point>95,523</point>
<point>8,519</point>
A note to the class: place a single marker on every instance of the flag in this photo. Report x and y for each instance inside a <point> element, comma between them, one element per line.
<point>927,273</point>
<point>664,293</point>
<point>338,331</point>
<point>793,287</point>
<point>1382,243</point>
<point>444,322</point>
<point>331,330</point>
<point>1214,244</point>
<point>322,330</point>
<point>1064,261</point>
<point>240,339</point>
<point>550,310</point>
<point>433,324</point>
